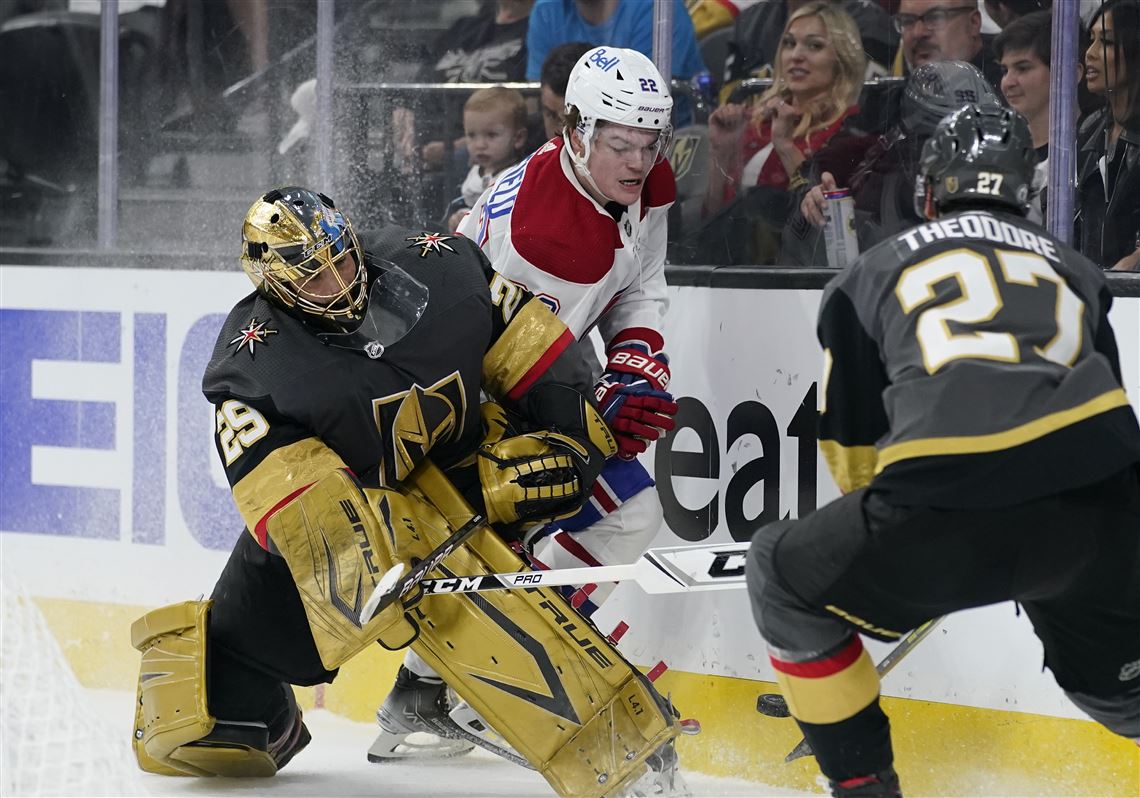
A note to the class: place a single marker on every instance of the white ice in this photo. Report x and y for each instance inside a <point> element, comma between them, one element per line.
<point>334,764</point>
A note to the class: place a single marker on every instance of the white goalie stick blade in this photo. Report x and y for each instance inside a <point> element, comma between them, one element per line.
<point>669,569</point>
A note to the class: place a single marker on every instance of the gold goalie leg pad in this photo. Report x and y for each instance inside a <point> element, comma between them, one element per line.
<point>175,735</point>
<point>337,548</point>
<point>539,673</point>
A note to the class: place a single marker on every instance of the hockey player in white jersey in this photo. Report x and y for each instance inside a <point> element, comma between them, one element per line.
<point>581,223</point>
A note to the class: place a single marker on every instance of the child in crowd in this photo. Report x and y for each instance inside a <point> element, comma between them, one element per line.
<point>495,123</point>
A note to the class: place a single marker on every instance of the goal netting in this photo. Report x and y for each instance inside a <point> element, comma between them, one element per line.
<point>53,741</point>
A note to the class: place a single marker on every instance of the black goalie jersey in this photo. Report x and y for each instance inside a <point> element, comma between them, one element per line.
<point>969,364</point>
<point>289,409</point>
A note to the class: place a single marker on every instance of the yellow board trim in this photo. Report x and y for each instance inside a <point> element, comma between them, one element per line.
<point>940,749</point>
<point>285,470</point>
<point>530,335</point>
<point>852,467</point>
<point>830,699</point>
<point>979,444</point>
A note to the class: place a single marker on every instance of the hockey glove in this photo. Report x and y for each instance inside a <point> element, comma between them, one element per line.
<point>632,398</point>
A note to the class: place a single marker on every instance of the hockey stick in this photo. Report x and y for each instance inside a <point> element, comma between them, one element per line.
<point>893,658</point>
<point>392,586</point>
<point>670,569</point>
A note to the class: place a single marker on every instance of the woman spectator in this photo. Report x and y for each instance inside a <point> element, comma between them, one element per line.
<point>818,76</point>
<point>1108,166</point>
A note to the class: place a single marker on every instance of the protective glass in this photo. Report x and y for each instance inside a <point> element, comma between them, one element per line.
<point>935,18</point>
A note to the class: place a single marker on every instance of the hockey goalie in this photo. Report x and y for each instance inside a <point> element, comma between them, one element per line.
<point>332,383</point>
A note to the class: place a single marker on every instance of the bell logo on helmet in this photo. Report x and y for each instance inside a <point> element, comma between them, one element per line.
<point>599,58</point>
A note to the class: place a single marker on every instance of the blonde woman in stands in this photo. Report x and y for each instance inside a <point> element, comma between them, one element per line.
<point>818,76</point>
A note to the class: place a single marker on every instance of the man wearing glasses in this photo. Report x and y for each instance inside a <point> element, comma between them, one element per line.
<point>943,30</point>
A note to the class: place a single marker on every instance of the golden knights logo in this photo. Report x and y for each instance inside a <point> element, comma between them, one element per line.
<point>684,153</point>
<point>412,421</point>
<point>254,333</point>
<point>430,242</point>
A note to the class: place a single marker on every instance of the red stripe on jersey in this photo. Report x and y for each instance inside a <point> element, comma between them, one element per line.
<point>557,228</point>
<point>605,501</point>
<point>818,668</point>
<point>639,335</point>
<point>660,187</point>
<point>541,365</point>
<point>260,531</point>
<point>566,541</point>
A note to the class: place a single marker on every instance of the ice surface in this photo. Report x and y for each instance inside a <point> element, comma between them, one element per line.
<point>335,764</point>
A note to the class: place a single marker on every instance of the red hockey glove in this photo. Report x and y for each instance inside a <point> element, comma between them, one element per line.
<point>632,398</point>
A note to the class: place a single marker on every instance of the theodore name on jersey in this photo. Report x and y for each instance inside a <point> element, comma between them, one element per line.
<point>979,226</point>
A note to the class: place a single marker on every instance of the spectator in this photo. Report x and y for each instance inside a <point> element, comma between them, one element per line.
<point>818,75</point>
<point>489,47</point>
<point>756,38</point>
<point>1003,12</point>
<point>943,30</point>
<point>1023,49</point>
<point>1108,161</point>
<point>494,120</point>
<point>882,184</point>
<point>553,79</point>
<point>614,23</point>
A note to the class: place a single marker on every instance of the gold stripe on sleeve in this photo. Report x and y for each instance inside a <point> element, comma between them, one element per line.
<point>525,341</point>
<point>852,467</point>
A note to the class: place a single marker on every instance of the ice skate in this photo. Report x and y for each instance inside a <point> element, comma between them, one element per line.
<point>663,778</point>
<point>413,722</point>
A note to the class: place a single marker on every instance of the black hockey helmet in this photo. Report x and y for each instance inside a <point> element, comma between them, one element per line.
<point>940,88</point>
<point>979,155</point>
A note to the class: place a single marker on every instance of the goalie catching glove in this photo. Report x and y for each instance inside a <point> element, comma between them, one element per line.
<point>632,397</point>
<point>539,476</point>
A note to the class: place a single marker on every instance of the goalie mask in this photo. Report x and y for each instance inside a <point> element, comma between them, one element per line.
<point>979,156</point>
<point>614,86</point>
<point>303,255</point>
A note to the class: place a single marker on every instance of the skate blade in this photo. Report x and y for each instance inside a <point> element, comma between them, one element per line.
<point>417,746</point>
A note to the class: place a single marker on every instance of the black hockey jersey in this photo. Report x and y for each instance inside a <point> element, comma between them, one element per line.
<point>289,409</point>
<point>969,363</point>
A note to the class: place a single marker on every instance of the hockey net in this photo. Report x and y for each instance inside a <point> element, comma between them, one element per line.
<point>53,741</point>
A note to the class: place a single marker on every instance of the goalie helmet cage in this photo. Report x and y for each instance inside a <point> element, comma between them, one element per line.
<point>52,741</point>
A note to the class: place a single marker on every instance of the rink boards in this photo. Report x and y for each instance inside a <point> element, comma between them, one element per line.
<point>114,501</point>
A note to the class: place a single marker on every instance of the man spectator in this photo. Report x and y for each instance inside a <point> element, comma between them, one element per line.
<point>553,79</point>
<point>943,30</point>
<point>614,23</point>
<point>1022,50</point>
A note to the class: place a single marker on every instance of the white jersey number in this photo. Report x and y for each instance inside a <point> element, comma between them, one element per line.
<point>239,426</point>
<point>980,302</point>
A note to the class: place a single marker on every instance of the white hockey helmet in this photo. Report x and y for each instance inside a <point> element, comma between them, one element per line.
<point>620,86</point>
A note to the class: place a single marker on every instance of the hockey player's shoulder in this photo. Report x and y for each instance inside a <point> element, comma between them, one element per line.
<point>251,348</point>
<point>558,228</point>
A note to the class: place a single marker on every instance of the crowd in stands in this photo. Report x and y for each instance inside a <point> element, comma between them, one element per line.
<point>807,97</point>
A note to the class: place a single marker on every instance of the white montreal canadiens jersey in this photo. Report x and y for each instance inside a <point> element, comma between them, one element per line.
<point>540,229</point>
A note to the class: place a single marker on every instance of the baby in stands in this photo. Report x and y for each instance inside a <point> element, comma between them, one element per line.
<point>495,123</point>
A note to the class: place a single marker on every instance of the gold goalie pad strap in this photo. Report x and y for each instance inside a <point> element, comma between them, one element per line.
<point>542,676</point>
<point>337,549</point>
<point>171,712</point>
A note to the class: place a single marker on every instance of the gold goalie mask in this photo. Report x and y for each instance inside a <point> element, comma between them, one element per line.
<point>303,255</point>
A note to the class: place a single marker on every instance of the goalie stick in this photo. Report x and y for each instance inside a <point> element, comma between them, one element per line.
<point>893,657</point>
<point>669,569</point>
<point>392,586</point>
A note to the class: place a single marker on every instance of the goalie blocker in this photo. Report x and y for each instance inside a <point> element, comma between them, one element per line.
<point>545,679</point>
